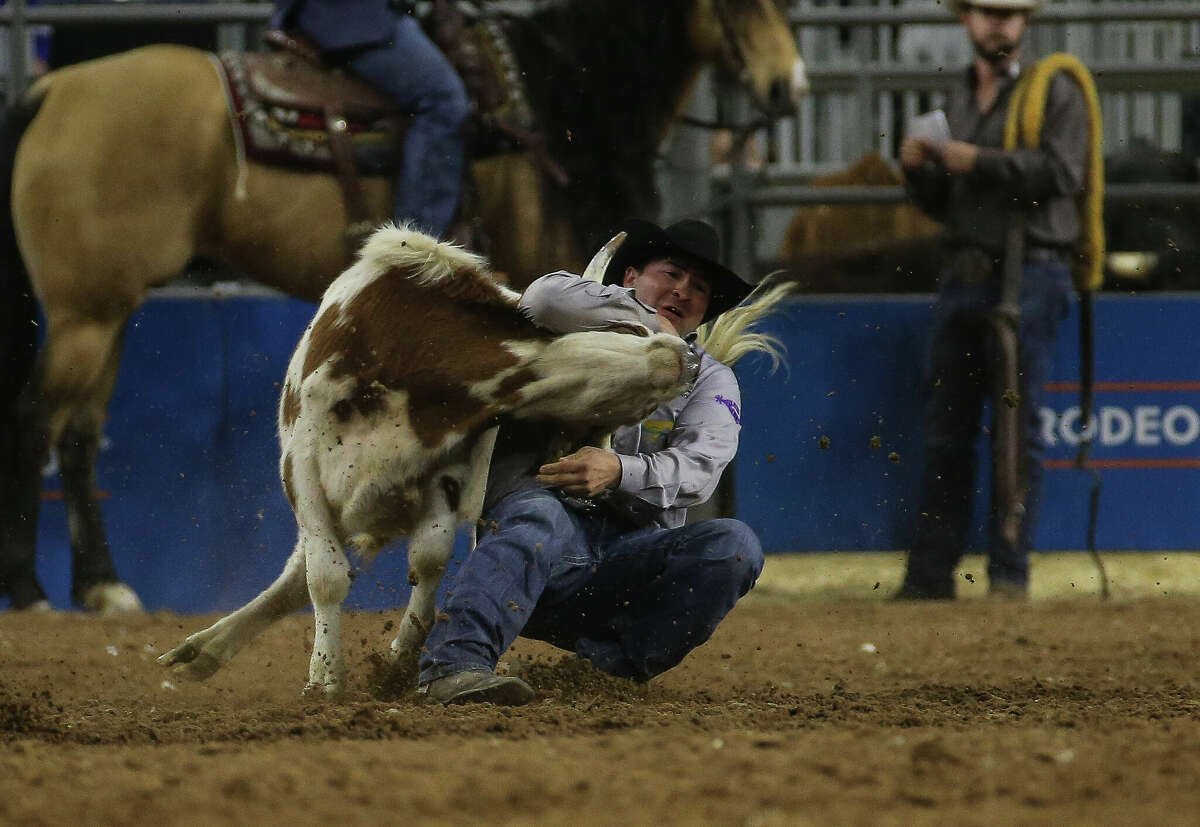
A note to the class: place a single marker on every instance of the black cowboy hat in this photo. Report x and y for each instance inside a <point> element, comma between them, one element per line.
<point>694,243</point>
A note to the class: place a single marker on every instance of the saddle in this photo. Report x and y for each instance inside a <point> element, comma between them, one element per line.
<point>293,110</point>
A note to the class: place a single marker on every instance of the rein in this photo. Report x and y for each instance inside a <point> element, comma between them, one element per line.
<point>735,46</point>
<point>716,123</point>
<point>740,68</point>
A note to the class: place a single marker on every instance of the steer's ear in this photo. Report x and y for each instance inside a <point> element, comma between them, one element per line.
<point>599,263</point>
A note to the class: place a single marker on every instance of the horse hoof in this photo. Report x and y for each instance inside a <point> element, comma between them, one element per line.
<point>112,599</point>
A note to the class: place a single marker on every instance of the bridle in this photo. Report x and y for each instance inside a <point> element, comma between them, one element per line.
<point>741,68</point>
<point>736,52</point>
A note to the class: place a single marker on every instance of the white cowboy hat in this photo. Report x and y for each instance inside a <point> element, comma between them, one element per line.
<point>959,6</point>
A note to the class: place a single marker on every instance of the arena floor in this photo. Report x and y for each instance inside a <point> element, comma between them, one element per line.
<point>817,702</point>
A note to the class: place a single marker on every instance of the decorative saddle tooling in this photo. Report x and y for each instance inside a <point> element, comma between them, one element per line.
<point>290,109</point>
<point>293,113</point>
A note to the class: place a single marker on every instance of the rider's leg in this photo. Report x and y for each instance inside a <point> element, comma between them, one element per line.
<point>653,596</point>
<point>413,72</point>
<point>533,537</point>
<point>955,384</point>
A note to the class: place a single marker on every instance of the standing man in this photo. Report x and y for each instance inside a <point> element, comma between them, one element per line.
<point>381,42</point>
<point>591,552</point>
<point>980,190</point>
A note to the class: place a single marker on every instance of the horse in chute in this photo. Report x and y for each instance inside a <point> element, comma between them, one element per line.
<point>862,248</point>
<point>125,168</point>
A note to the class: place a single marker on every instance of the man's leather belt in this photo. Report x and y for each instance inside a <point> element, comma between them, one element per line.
<point>976,265</point>
<point>1044,255</point>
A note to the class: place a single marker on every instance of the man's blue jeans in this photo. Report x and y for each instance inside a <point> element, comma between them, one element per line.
<point>958,378</point>
<point>634,603</point>
<point>414,73</point>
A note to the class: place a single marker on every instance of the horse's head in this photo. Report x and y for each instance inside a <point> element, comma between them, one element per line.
<point>753,41</point>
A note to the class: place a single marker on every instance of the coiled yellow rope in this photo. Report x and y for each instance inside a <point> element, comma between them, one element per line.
<point>1026,114</point>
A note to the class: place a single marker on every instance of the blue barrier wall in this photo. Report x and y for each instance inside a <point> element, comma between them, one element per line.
<point>198,521</point>
<point>854,374</point>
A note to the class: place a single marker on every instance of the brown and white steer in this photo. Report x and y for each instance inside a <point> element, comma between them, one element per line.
<point>388,419</point>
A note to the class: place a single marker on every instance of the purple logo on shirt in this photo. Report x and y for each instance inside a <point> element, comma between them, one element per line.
<point>734,410</point>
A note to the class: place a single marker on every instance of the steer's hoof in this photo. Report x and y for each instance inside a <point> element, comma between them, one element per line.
<point>112,599</point>
<point>316,689</point>
<point>189,661</point>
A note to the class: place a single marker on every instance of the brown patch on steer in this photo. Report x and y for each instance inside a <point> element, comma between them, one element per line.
<point>289,408</point>
<point>470,285</point>
<point>323,336</point>
<point>397,335</point>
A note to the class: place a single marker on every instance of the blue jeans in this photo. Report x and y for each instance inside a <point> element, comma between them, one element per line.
<point>634,603</point>
<point>414,73</point>
<point>957,380</point>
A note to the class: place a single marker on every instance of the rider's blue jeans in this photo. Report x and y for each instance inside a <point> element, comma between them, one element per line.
<point>957,380</point>
<point>416,75</point>
<point>634,603</point>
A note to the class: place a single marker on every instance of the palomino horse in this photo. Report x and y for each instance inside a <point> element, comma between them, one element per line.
<point>126,169</point>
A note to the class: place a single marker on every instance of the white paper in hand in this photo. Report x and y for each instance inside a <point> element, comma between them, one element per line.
<point>932,126</point>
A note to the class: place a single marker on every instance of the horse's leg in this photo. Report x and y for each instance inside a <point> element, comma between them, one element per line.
<point>113,181</point>
<point>63,404</point>
<point>20,451</point>
<point>203,653</point>
<point>81,361</point>
<point>94,582</point>
<point>22,454</point>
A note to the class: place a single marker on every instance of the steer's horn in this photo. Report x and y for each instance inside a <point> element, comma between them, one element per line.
<point>599,263</point>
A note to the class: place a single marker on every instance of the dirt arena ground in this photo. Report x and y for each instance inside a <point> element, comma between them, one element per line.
<point>817,702</point>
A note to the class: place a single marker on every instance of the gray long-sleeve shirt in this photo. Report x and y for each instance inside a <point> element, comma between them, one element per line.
<point>1043,182</point>
<point>671,460</point>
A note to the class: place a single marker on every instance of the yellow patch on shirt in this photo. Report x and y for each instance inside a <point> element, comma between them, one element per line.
<point>657,428</point>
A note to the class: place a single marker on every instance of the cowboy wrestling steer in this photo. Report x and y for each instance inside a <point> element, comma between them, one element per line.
<point>388,419</point>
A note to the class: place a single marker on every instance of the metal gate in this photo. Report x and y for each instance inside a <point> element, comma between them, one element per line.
<point>874,64</point>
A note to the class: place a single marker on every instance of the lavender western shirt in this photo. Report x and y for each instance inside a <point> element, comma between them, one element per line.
<point>671,460</point>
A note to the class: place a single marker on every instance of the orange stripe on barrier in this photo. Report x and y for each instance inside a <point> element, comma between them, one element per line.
<point>1055,387</point>
<point>1126,463</point>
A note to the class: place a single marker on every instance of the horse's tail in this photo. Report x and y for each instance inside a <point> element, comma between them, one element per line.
<point>18,319</point>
